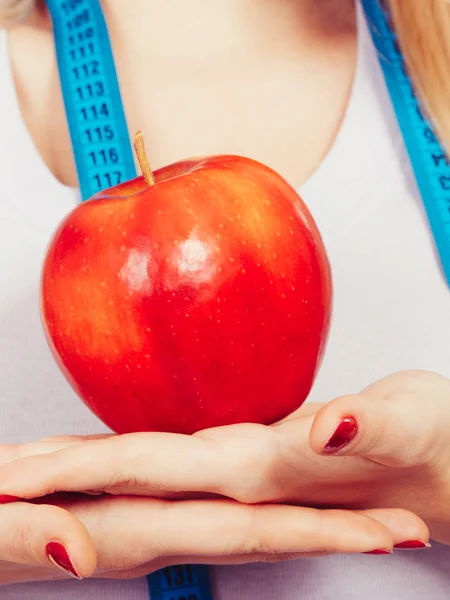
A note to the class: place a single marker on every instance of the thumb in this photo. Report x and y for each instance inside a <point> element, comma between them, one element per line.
<point>45,536</point>
<point>395,427</point>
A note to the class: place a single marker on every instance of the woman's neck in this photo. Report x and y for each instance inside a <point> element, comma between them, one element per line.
<point>223,28</point>
<point>203,77</point>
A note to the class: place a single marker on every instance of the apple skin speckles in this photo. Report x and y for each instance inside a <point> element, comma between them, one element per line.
<point>199,301</point>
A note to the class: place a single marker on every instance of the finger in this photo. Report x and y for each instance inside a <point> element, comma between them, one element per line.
<point>134,463</point>
<point>76,438</point>
<point>391,427</point>
<point>10,452</point>
<point>238,462</point>
<point>214,529</point>
<point>47,536</point>
<point>403,524</point>
<point>404,527</point>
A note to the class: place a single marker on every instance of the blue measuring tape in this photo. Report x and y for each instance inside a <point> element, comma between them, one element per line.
<point>184,582</point>
<point>428,158</point>
<point>104,158</point>
<point>97,124</point>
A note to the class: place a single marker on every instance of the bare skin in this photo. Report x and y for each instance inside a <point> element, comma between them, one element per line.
<point>268,79</point>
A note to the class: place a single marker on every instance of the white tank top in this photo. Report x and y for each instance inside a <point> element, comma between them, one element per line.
<point>391,312</point>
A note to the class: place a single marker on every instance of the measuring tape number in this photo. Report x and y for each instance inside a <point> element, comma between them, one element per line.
<point>97,124</point>
<point>186,582</point>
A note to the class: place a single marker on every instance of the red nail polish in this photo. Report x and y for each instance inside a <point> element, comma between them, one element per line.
<point>345,433</point>
<point>412,545</point>
<point>6,499</point>
<point>57,554</point>
<point>379,551</point>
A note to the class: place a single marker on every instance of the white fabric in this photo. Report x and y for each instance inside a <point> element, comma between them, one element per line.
<point>391,312</point>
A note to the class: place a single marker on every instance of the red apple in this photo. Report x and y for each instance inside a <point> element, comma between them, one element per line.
<point>199,301</point>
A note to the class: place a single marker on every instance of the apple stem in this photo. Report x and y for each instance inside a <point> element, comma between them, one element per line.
<point>139,148</point>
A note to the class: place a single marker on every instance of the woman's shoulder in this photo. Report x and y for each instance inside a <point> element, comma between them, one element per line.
<point>11,126</point>
<point>6,82</point>
<point>27,185</point>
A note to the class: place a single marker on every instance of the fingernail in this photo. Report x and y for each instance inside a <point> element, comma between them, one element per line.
<point>412,545</point>
<point>59,556</point>
<point>379,551</point>
<point>345,433</point>
<point>5,499</point>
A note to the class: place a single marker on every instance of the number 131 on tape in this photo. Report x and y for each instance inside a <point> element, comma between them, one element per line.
<point>181,582</point>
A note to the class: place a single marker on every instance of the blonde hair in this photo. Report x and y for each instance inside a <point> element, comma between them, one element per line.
<point>423,27</point>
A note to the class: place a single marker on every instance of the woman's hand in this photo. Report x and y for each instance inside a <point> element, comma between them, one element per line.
<point>398,430</point>
<point>134,536</point>
<point>40,543</point>
<point>43,543</point>
<point>391,443</point>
